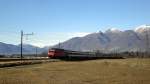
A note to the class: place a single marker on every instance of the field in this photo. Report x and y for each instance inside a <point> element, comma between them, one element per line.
<point>102,71</point>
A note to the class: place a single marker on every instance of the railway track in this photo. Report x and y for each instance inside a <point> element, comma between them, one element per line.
<point>18,59</point>
<point>8,62</point>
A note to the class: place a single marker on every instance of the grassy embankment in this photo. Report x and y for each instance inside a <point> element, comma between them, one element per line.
<point>107,71</point>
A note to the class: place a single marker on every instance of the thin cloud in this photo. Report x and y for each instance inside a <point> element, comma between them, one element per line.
<point>55,38</point>
<point>78,34</point>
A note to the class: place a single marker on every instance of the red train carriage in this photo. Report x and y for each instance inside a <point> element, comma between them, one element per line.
<point>56,53</point>
<point>61,53</point>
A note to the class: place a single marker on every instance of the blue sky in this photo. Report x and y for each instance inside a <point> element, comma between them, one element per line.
<point>58,20</point>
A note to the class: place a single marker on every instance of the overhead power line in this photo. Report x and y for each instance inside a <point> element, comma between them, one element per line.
<point>23,34</point>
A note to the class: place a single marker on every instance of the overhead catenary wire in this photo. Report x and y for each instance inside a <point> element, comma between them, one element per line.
<point>21,48</point>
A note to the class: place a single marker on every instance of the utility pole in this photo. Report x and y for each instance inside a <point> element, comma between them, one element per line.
<point>59,45</point>
<point>36,51</point>
<point>21,43</point>
<point>147,41</point>
<point>22,34</point>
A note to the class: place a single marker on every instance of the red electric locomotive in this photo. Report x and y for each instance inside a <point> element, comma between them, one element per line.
<point>56,53</point>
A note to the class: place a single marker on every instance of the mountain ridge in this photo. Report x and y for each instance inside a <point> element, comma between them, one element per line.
<point>15,49</point>
<point>110,40</point>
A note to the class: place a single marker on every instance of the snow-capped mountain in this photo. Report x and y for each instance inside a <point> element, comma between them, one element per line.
<point>142,28</point>
<point>113,30</point>
<point>110,40</point>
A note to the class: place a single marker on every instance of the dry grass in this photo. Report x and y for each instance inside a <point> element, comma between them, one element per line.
<point>109,71</point>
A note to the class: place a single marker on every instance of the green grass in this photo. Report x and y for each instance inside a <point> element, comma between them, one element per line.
<point>108,71</point>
